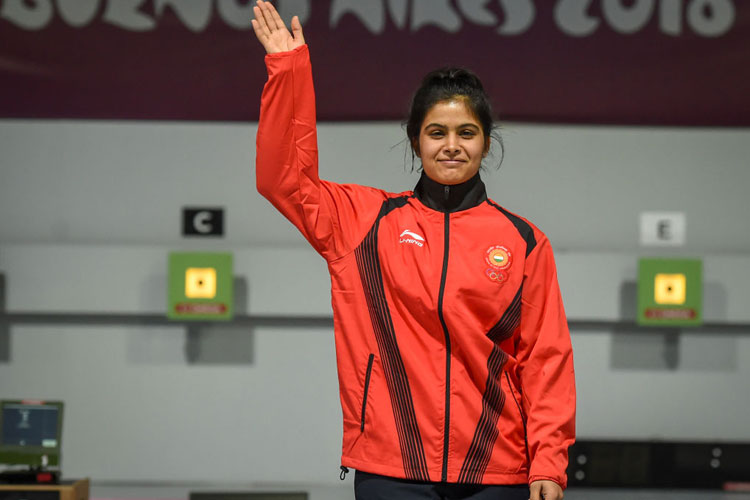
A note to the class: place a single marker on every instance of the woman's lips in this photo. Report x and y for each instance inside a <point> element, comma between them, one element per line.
<point>451,163</point>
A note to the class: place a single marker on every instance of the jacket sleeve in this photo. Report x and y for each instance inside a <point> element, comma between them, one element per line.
<point>332,217</point>
<point>546,373</point>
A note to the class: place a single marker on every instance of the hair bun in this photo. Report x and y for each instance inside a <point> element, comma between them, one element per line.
<point>453,77</point>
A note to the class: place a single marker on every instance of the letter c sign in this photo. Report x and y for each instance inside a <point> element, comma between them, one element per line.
<point>197,221</point>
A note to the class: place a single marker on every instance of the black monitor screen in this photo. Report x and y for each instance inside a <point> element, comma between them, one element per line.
<point>30,425</point>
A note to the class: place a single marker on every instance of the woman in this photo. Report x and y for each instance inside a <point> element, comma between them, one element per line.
<point>454,358</point>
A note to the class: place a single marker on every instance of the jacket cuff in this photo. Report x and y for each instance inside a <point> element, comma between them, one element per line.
<point>563,483</point>
<point>286,53</point>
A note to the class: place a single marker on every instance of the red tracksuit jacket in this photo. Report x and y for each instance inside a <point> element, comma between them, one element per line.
<point>453,352</point>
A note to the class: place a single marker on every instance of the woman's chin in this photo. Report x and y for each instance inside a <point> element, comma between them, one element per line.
<point>452,177</point>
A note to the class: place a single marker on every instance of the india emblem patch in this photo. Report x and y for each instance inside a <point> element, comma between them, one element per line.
<point>498,259</point>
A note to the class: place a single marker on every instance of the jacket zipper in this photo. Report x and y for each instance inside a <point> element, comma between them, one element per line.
<point>367,386</point>
<point>523,418</point>
<point>446,428</point>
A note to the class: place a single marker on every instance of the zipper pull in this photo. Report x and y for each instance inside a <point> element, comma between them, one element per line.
<point>447,191</point>
<point>344,472</point>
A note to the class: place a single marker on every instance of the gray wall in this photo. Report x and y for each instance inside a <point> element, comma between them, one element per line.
<point>91,209</point>
<point>124,183</point>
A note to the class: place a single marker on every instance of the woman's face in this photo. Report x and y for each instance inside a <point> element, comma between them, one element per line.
<point>451,143</point>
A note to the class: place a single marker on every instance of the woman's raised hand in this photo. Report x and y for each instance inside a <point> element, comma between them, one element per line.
<point>271,31</point>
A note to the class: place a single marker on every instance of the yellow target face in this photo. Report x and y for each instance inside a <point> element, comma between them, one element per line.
<point>670,288</point>
<point>200,282</point>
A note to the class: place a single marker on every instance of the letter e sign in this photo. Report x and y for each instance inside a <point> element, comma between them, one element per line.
<point>205,221</point>
<point>663,229</point>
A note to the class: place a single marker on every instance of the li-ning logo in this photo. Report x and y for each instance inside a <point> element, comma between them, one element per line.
<point>411,237</point>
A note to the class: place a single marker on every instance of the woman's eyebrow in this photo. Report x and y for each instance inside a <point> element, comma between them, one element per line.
<point>463,125</point>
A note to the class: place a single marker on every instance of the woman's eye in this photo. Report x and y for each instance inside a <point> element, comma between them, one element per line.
<point>436,133</point>
<point>467,133</point>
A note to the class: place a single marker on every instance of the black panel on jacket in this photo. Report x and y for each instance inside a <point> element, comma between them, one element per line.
<point>527,233</point>
<point>450,198</point>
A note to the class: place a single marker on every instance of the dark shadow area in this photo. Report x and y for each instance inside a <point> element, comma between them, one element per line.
<point>233,342</point>
<point>635,349</point>
<point>4,326</point>
<point>219,342</point>
<point>641,348</point>
<point>710,347</point>
<point>715,301</point>
<point>629,301</point>
<point>699,465</point>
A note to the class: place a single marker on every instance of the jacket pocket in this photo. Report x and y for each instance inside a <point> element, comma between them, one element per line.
<point>367,387</point>
<point>517,399</point>
<point>516,396</point>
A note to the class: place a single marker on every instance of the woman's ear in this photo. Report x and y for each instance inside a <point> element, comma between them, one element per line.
<point>415,147</point>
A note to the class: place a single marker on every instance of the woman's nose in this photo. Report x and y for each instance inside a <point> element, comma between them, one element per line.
<point>451,144</point>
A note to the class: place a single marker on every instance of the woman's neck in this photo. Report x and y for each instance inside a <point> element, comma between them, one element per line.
<point>450,197</point>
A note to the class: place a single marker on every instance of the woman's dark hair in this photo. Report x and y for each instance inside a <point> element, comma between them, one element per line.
<point>446,84</point>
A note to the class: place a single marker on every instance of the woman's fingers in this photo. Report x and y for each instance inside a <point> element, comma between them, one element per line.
<point>268,16</point>
<point>297,31</point>
<point>259,23</point>
<point>264,26</point>
<point>275,17</point>
<point>258,31</point>
<point>261,30</point>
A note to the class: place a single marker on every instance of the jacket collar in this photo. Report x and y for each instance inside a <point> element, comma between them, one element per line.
<point>450,198</point>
